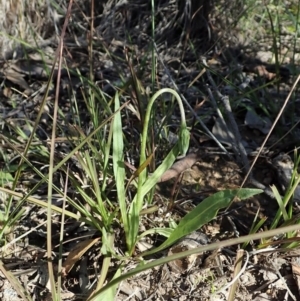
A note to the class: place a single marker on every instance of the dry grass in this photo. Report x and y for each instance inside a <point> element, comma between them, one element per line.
<point>25,24</point>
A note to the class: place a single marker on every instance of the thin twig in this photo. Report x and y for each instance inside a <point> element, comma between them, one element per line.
<point>270,132</point>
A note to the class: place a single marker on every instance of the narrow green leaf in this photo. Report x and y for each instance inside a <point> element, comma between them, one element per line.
<point>203,213</point>
<point>280,203</point>
<point>107,247</point>
<point>165,165</point>
<point>118,163</point>
<point>151,181</point>
<point>110,293</point>
<point>161,231</point>
<point>184,139</point>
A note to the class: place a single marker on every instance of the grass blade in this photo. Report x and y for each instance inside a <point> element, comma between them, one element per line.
<point>118,164</point>
<point>204,213</point>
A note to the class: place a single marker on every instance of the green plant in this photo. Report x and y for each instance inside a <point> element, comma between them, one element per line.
<point>285,214</point>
